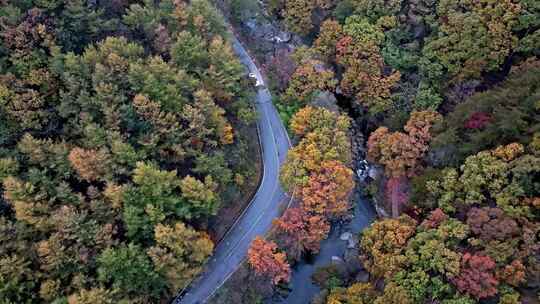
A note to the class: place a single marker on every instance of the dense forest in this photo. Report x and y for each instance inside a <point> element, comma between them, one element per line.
<point>128,147</point>
<point>124,131</point>
<point>447,93</point>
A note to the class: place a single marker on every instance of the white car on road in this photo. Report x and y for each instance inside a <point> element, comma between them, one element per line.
<point>258,83</point>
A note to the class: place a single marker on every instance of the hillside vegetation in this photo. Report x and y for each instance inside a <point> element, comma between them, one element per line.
<point>448,95</point>
<point>123,131</point>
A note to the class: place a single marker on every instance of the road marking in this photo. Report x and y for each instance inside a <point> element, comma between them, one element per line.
<point>245,57</point>
<point>256,193</point>
<point>230,252</point>
<point>273,192</point>
<point>225,280</point>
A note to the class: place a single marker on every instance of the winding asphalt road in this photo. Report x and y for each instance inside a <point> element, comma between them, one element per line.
<point>267,204</point>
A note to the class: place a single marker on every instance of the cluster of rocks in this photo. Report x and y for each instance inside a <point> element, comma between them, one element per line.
<point>267,36</point>
<point>350,261</point>
<point>358,147</point>
<point>266,30</point>
<point>350,239</point>
<point>327,100</point>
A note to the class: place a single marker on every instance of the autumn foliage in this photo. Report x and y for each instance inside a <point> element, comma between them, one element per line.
<point>180,253</point>
<point>383,245</point>
<point>513,273</point>
<point>114,119</point>
<point>469,179</point>
<point>478,121</point>
<point>329,35</point>
<point>327,191</point>
<point>90,164</point>
<point>267,261</point>
<point>491,224</point>
<point>435,218</point>
<point>298,13</point>
<point>312,119</point>
<point>358,293</point>
<point>467,51</point>
<point>316,173</point>
<point>401,153</point>
<point>323,137</point>
<point>299,232</point>
<point>476,276</point>
<point>309,78</point>
<point>481,252</point>
<point>365,77</point>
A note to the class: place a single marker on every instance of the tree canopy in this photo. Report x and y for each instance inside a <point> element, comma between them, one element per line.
<point>114,119</point>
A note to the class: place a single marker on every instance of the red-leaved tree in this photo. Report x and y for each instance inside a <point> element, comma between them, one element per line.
<point>298,232</point>
<point>477,276</point>
<point>492,224</point>
<point>478,120</point>
<point>267,261</point>
<point>435,218</point>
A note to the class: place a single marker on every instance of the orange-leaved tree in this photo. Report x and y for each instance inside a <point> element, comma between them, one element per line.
<point>399,152</point>
<point>329,35</point>
<point>267,261</point>
<point>298,232</point>
<point>90,165</point>
<point>327,190</point>
<point>309,78</point>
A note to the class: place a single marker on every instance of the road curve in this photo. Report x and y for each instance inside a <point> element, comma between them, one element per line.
<point>266,205</point>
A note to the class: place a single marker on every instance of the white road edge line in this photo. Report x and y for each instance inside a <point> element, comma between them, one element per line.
<point>276,154</point>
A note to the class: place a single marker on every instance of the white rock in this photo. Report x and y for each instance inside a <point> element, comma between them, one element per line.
<point>336,259</point>
<point>374,172</point>
<point>352,243</point>
<point>345,236</point>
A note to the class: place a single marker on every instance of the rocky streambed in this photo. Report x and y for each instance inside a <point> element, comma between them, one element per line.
<point>268,41</point>
<point>339,248</point>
